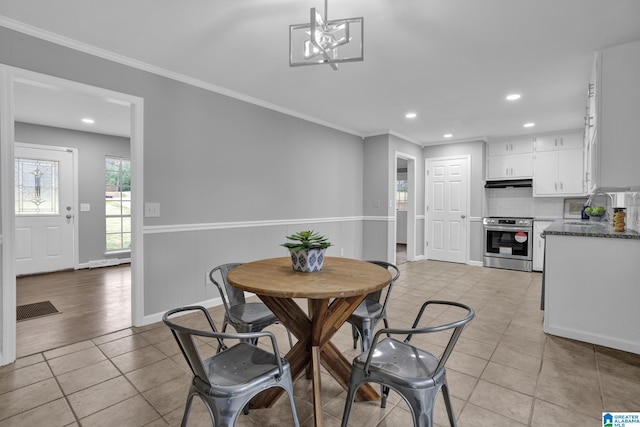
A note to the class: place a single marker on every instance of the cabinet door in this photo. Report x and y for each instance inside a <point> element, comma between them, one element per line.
<point>545,174</point>
<point>512,166</point>
<point>546,143</point>
<point>538,244</point>
<point>559,142</point>
<point>570,171</point>
<point>592,165</point>
<point>521,165</point>
<point>498,148</point>
<point>515,146</point>
<point>497,167</point>
<point>520,146</point>
<point>570,141</point>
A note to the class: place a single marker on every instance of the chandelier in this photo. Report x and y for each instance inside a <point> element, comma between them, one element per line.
<point>322,41</point>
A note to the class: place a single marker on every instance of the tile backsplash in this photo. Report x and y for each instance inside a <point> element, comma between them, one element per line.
<point>519,202</point>
<point>632,203</point>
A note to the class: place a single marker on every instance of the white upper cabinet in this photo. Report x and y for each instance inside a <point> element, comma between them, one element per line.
<point>558,166</point>
<point>508,167</point>
<point>618,116</point>
<point>516,146</point>
<point>591,130</point>
<point>559,142</point>
<point>511,159</point>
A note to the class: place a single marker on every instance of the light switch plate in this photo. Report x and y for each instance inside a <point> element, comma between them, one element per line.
<point>151,210</point>
<point>85,207</point>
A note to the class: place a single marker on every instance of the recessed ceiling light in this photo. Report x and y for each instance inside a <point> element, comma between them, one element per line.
<point>88,121</point>
<point>411,115</point>
<point>513,97</point>
<point>447,135</point>
<point>529,125</point>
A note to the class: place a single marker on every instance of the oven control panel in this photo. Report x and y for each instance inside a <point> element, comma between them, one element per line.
<point>516,222</point>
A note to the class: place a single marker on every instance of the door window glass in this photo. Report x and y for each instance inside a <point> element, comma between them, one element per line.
<point>36,191</point>
<point>402,194</point>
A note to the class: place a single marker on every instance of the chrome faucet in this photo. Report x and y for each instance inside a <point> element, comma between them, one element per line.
<point>609,208</point>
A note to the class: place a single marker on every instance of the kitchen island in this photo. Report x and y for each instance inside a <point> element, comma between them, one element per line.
<point>591,285</point>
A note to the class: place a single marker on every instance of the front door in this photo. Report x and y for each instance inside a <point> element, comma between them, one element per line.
<point>44,209</point>
<point>447,183</point>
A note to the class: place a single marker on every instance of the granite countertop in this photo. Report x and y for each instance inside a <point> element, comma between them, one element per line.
<point>586,228</point>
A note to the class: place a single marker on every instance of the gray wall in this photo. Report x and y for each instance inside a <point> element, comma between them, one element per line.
<point>236,171</point>
<point>414,150</point>
<point>378,172</point>
<point>379,191</point>
<point>92,150</point>
<point>476,150</point>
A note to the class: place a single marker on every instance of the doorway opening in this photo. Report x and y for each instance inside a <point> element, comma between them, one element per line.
<point>10,114</point>
<point>405,208</point>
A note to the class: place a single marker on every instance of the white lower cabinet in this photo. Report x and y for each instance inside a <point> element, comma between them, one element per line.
<point>538,243</point>
<point>592,295</point>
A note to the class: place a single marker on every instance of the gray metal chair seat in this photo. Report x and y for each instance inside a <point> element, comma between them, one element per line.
<point>366,316</point>
<point>415,374</point>
<point>228,380</point>
<point>250,317</point>
<point>243,316</point>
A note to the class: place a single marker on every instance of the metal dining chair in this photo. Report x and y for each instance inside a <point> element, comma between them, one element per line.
<point>365,318</point>
<point>227,381</point>
<point>242,315</point>
<point>415,374</point>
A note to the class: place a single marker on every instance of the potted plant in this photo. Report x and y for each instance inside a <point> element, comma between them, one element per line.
<point>307,250</point>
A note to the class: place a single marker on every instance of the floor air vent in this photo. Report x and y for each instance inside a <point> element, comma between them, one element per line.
<point>103,262</point>
<point>37,309</point>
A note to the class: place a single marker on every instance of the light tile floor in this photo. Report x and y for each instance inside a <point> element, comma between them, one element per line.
<point>504,371</point>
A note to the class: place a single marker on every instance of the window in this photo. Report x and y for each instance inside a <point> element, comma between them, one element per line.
<point>118,203</point>
<point>36,184</point>
<point>402,192</point>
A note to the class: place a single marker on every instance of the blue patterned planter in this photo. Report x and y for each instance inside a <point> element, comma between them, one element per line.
<point>308,261</point>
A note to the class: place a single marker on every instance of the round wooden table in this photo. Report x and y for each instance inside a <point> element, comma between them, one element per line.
<point>332,294</point>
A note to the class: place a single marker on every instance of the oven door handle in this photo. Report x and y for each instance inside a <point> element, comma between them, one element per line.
<point>514,229</point>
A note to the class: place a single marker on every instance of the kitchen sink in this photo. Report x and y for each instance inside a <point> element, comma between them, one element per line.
<point>587,223</point>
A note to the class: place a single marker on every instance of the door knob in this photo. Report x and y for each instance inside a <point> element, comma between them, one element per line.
<point>69,216</point>
<point>463,216</point>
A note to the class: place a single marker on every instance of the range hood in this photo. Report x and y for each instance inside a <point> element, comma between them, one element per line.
<point>508,183</point>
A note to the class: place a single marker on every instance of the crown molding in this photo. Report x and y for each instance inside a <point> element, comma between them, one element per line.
<point>55,38</point>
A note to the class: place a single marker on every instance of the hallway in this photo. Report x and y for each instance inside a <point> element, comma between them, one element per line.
<point>90,302</point>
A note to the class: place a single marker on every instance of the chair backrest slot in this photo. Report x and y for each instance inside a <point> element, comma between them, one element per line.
<point>230,296</point>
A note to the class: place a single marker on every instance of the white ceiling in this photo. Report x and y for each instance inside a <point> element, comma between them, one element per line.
<point>450,61</point>
<point>49,105</point>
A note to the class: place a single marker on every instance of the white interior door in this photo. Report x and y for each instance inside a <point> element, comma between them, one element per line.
<point>447,186</point>
<point>44,209</point>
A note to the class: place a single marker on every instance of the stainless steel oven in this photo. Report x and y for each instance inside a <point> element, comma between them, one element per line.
<point>508,243</point>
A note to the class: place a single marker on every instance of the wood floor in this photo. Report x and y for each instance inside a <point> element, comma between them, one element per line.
<point>401,253</point>
<point>91,302</point>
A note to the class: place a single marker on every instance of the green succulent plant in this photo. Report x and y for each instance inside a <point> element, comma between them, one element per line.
<point>595,211</point>
<point>304,240</point>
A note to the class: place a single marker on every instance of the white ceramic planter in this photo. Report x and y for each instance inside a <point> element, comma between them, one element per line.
<point>308,261</point>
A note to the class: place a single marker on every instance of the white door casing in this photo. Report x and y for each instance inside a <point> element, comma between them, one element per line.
<point>47,242</point>
<point>8,77</point>
<point>447,204</point>
<point>411,206</point>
